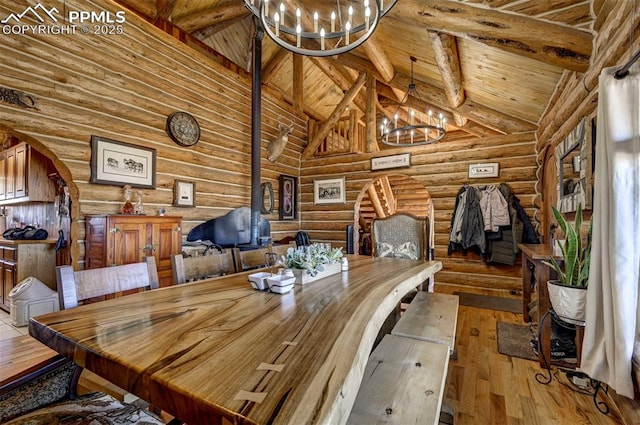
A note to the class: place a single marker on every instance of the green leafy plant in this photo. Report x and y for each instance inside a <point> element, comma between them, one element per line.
<point>311,258</point>
<point>574,270</point>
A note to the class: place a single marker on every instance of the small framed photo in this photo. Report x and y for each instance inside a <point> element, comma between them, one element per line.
<point>119,163</point>
<point>288,194</point>
<point>478,171</point>
<point>184,194</point>
<point>330,191</point>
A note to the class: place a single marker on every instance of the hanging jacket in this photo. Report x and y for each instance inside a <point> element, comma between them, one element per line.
<point>472,224</point>
<point>529,234</point>
<point>495,209</point>
<point>456,220</point>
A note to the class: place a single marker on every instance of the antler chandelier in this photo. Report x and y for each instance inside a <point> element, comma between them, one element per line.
<point>417,129</point>
<point>324,28</point>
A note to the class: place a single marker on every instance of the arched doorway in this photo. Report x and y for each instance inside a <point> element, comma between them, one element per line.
<point>8,137</point>
<point>386,195</point>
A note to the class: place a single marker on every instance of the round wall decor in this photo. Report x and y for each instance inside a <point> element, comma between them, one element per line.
<point>183,128</point>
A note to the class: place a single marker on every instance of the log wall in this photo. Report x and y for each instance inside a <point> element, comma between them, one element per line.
<point>123,87</point>
<point>442,169</point>
<point>576,95</point>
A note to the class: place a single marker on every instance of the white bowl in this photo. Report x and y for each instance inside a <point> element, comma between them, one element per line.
<point>280,284</point>
<point>259,280</point>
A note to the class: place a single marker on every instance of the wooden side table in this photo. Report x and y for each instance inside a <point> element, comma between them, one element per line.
<point>533,256</point>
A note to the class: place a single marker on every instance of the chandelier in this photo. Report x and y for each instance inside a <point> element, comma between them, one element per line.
<point>327,30</point>
<point>410,126</point>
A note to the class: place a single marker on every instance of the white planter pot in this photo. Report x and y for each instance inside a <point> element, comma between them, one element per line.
<point>302,278</point>
<point>569,302</point>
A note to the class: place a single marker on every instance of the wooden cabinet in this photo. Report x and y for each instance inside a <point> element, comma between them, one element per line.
<point>123,239</point>
<point>21,259</point>
<point>25,176</point>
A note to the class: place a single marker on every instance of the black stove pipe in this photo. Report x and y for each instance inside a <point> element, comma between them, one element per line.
<point>256,108</point>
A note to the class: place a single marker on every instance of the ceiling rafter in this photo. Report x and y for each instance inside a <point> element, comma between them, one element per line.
<point>555,44</point>
<point>445,49</point>
<point>213,16</point>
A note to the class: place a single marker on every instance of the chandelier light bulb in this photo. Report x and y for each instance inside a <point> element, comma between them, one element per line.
<point>346,34</point>
<point>266,7</point>
<point>298,15</point>
<point>315,21</point>
<point>322,39</point>
<point>333,21</point>
<point>298,34</point>
<point>276,18</point>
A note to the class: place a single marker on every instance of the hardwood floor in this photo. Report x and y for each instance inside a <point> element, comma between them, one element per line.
<point>486,387</point>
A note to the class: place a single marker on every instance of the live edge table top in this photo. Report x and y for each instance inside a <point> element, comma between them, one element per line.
<point>218,348</point>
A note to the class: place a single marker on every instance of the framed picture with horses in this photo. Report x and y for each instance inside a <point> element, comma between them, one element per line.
<point>118,163</point>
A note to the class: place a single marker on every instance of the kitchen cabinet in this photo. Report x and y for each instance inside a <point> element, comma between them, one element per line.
<point>21,259</point>
<point>118,239</point>
<point>24,174</point>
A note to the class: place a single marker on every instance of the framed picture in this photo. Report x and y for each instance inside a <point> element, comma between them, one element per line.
<point>331,191</point>
<point>393,161</point>
<point>288,195</point>
<point>119,163</point>
<point>478,171</point>
<point>184,194</point>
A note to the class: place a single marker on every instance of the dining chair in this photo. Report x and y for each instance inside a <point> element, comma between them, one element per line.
<point>188,269</point>
<point>91,285</point>
<point>255,258</point>
<point>401,235</point>
<point>49,394</point>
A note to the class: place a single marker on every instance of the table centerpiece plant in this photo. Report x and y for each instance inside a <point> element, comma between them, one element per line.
<point>312,259</point>
<point>567,293</point>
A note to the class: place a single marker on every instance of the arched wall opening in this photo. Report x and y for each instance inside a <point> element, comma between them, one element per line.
<point>385,195</point>
<point>10,136</point>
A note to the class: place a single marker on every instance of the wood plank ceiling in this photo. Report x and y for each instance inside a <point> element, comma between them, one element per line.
<point>490,65</point>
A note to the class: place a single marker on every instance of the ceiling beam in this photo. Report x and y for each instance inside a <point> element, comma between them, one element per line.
<point>371,144</point>
<point>274,65</point>
<point>164,9</point>
<point>488,117</point>
<point>330,122</point>
<point>212,16</point>
<point>445,49</point>
<point>481,114</point>
<point>555,44</point>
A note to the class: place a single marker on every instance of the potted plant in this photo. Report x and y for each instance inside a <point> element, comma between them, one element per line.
<point>568,293</point>
<point>312,262</point>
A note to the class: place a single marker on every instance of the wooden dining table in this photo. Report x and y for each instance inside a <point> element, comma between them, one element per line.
<point>219,351</point>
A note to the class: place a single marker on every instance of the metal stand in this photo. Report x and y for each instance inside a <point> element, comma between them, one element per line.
<point>545,379</point>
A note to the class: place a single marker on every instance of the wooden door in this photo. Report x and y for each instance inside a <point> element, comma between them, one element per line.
<point>3,178</point>
<point>129,242</point>
<point>8,282</point>
<point>166,240</point>
<point>21,171</point>
<point>10,174</point>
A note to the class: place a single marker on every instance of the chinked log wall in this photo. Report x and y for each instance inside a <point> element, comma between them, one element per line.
<point>123,87</point>
<point>442,168</point>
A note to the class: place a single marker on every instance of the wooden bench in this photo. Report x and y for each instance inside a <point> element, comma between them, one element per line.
<point>405,377</point>
<point>22,355</point>
<point>403,383</point>
<point>430,317</point>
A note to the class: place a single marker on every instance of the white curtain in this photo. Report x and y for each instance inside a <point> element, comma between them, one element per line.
<point>614,276</point>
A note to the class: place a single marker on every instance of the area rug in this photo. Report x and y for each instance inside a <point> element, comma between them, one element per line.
<point>515,340</point>
<point>490,302</point>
